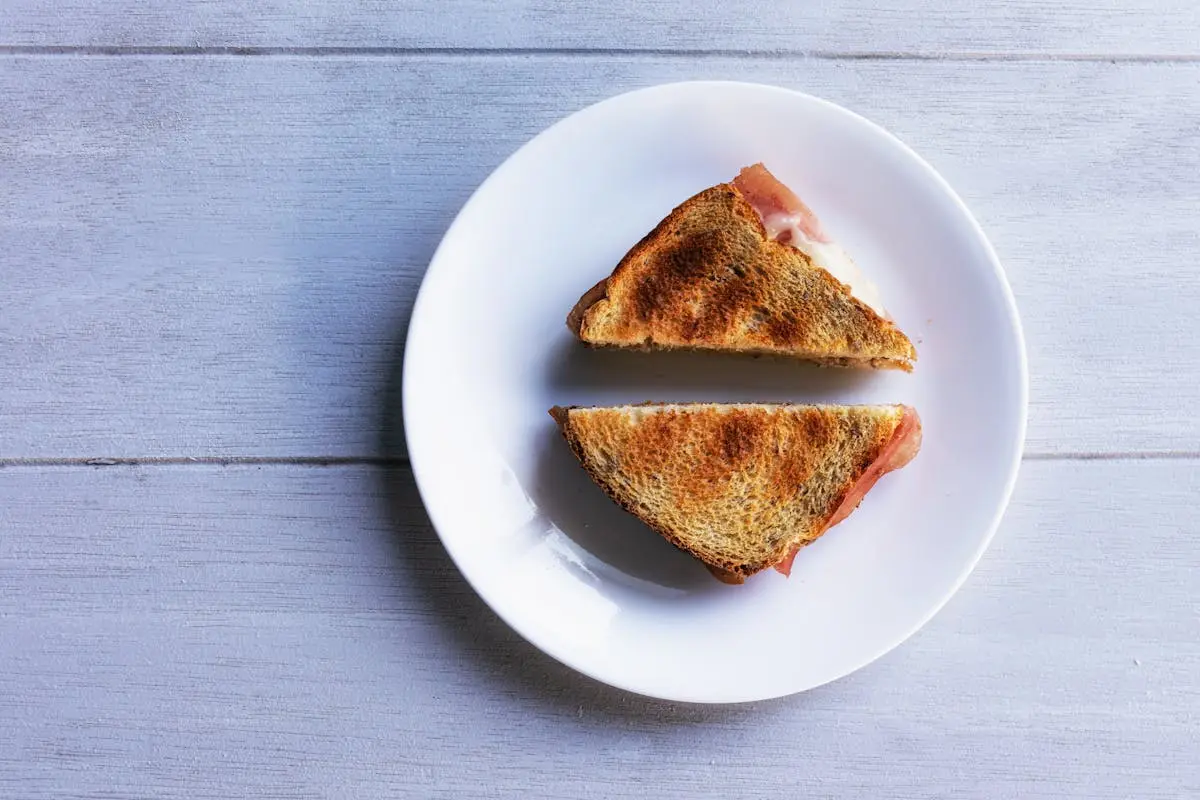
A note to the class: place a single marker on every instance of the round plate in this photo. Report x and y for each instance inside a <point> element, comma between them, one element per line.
<point>488,354</point>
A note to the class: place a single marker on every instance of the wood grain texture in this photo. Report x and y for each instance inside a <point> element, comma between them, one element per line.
<point>1128,27</point>
<point>207,255</point>
<point>217,256</point>
<point>299,632</point>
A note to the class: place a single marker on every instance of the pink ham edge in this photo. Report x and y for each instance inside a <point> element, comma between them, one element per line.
<point>899,450</point>
<point>771,198</point>
<point>787,220</point>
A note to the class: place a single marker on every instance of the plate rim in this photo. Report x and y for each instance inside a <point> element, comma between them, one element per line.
<point>978,234</point>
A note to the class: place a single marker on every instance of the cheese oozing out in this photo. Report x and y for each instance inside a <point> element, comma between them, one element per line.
<point>830,256</point>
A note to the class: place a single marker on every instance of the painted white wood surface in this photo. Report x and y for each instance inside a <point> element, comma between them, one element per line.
<point>284,631</point>
<point>215,256</point>
<point>213,219</point>
<point>1067,27</point>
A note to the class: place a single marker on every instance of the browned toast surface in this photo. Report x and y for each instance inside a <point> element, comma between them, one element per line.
<point>740,486</point>
<point>707,277</point>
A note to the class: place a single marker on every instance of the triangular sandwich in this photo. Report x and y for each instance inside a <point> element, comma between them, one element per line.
<point>744,267</point>
<point>741,487</point>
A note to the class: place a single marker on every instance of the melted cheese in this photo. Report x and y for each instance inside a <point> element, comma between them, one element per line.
<point>829,256</point>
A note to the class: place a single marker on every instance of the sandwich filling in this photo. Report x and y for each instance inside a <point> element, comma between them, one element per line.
<point>788,221</point>
<point>899,450</point>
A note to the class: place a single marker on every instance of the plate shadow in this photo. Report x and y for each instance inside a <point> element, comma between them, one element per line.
<point>476,632</point>
<point>569,498</point>
<point>584,513</point>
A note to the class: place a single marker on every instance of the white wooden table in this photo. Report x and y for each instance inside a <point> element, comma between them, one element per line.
<point>216,577</point>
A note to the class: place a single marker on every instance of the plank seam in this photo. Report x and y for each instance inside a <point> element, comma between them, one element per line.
<point>403,461</point>
<point>1131,455</point>
<point>220,461</point>
<point>419,52</point>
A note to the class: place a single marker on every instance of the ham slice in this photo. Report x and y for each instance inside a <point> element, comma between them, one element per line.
<point>787,220</point>
<point>899,450</point>
<point>775,202</point>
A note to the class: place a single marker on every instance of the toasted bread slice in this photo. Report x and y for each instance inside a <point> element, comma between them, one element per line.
<point>712,276</point>
<point>741,487</point>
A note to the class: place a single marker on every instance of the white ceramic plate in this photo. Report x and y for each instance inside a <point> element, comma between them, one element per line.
<point>488,354</point>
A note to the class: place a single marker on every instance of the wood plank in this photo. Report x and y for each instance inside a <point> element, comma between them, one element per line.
<point>1129,27</point>
<point>218,256</point>
<point>294,632</point>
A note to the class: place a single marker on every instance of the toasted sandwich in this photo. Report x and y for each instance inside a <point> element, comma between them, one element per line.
<point>745,267</point>
<point>741,487</point>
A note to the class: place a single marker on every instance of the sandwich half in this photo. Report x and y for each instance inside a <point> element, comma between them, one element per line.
<point>744,267</point>
<point>742,487</point>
